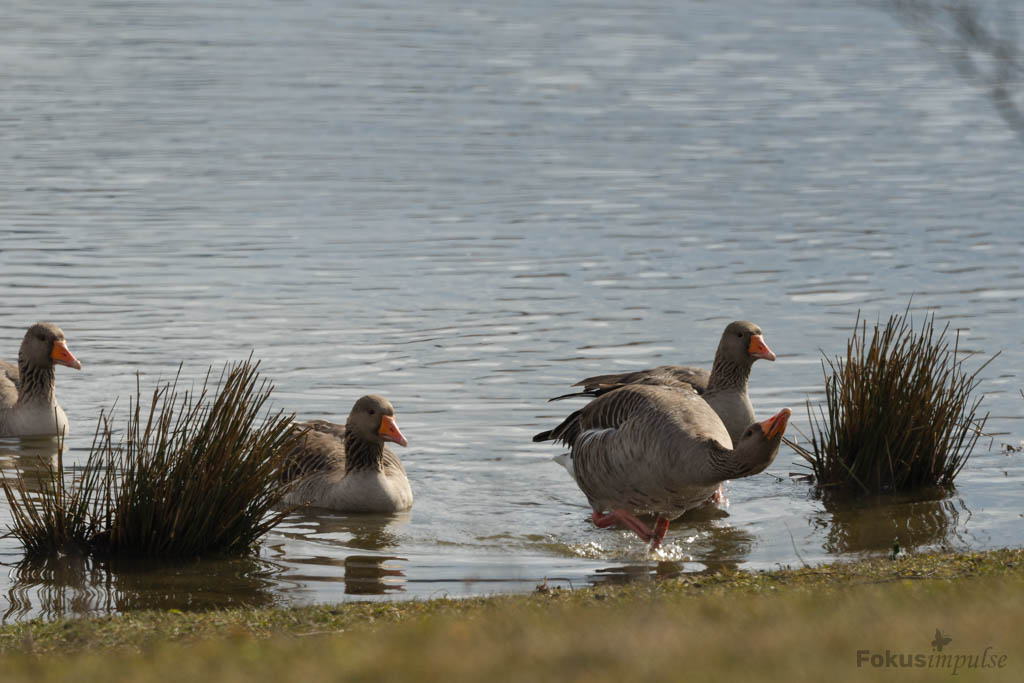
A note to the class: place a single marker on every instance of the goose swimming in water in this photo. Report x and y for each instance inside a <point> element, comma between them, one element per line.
<point>347,467</point>
<point>648,449</point>
<point>28,402</point>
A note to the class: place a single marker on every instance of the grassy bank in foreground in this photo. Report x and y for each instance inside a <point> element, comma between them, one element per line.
<point>786,625</point>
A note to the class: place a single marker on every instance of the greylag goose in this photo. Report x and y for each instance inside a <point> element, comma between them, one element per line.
<point>724,388</point>
<point>653,449</point>
<point>28,404</point>
<point>347,467</point>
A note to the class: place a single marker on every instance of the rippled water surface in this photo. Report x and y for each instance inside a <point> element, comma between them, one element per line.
<point>466,209</point>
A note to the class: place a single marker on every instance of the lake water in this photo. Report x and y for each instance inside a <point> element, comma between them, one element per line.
<point>466,209</point>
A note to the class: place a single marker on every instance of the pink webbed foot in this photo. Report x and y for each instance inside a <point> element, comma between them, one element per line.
<point>626,519</point>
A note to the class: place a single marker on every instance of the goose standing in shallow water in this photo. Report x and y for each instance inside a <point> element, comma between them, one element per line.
<point>347,467</point>
<point>652,449</point>
<point>724,388</point>
<point>28,404</point>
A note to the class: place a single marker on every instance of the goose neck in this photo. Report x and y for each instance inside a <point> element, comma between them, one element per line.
<point>728,374</point>
<point>36,383</point>
<point>361,454</point>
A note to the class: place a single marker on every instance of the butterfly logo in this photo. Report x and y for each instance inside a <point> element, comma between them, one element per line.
<point>940,641</point>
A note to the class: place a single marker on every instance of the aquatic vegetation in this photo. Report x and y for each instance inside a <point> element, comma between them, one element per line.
<point>900,412</point>
<point>196,474</point>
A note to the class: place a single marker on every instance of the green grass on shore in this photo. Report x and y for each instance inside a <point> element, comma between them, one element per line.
<point>794,624</point>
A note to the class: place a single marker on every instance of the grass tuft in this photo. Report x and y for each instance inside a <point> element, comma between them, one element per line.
<point>194,474</point>
<point>899,412</point>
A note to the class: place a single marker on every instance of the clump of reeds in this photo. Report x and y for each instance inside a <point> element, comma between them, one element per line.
<point>194,475</point>
<point>899,411</point>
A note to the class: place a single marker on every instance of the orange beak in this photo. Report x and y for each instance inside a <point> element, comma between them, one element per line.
<point>758,349</point>
<point>389,431</point>
<point>774,426</point>
<point>61,355</point>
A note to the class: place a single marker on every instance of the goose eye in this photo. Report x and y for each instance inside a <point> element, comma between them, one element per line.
<point>372,411</point>
<point>740,335</point>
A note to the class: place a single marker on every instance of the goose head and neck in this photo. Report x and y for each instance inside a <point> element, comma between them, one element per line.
<point>741,344</point>
<point>43,347</point>
<point>370,424</point>
<point>757,447</point>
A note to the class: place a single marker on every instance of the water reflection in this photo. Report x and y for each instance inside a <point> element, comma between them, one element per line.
<point>362,532</point>
<point>30,459</point>
<point>931,520</point>
<point>629,573</point>
<point>722,548</point>
<point>74,585</point>
<point>362,573</point>
<point>369,575</point>
<point>55,587</point>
